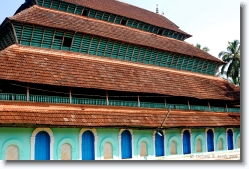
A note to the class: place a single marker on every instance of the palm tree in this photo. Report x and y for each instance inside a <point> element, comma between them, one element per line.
<point>232,57</point>
<point>205,49</point>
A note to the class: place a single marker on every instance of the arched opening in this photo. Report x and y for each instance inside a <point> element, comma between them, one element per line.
<point>143,149</point>
<point>173,148</point>
<point>159,143</point>
<point>239,142</point>
<point>66,152</point>
<point>186,142</point>
<point>230,139</point>
<point>108,152</point>
<point>126,146</point>
<point>220,144</point>
<point>210,140</point>
<point>198,145</point>
<point>88,146</point>
<point>42,146</point>
<point>12,153</point>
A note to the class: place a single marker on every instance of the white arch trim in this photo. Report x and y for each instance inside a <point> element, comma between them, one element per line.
<point>233,137</point>
<point>32,141</point>
<point>63,141</point>
<point>119,142</point>
<point>94,131</point>
<point>15,143</point>
<point>190,139</point>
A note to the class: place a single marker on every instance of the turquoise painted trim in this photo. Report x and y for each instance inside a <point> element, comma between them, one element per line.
<point>236,140</point>
<point>147,141</point>
<point>102,144</point>
<point>203,143</point>
<point>73,145</point>
<point>178,145</point>
<point>224,142</point>
<point>12,142</point>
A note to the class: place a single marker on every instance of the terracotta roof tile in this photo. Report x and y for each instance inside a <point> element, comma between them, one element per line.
<point>104,116</point>
<point>56,19</point>
<point>129,11</point>
<point>44,66</point>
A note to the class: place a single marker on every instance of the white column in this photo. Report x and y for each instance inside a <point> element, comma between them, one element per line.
<point>191,143</point>
<point>32,152</point>
<point>80,148</point>
<point>95,147</point>
<point>51,148</point>
<point>119,147</point>
<point>132,146</point>
<point>214,142</point>
<point>153,145</point>
<point>206,141</point>
<point>226,140</point>
<point>182,142</point>
<point>165,144</point>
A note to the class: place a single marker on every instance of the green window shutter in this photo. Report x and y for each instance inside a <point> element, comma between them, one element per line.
<point>94,46</point>
<point>92,13</point>
<point>147,56</point>
<point>150,29</point>
<point>159,58</point>
<point>118,19</point>
<point>102,46</point>
<point>70,36</point>
<point>47,3</point>
<point>122,51</point>
<point>135,54</point>
<point>58,39</point>
<point>78,10</point>
<point>37,36</point>
<point>112,18</point>
<point>115,49</point>
<point>179,63</point>
<point>170,34</point>
<point>86,43</point>
<point>135,24</point>
<point>199,66</point>
<point>179,37</point>
<point>141,55</point>
<point>48,38</point>
<point>99,15</point>
<point>204,67</point>
<point>185,62</point>
<point>155,30</point>
<point>190,64</point>
<point>153,57</point>
<point>71,8</point>
<point>40,2</point>
<point>77,42</point>
<point>55,4</point>
<point>63,6</point>
<point>175,58</point>
<point>106,16</point>
<point>18,29</point>
<point>165,33</point>
<point>164,59</point>
<point>27,33</point>
<point>108,50</point>
<point>129,52</point>
<point>169,60</point>
<point>129,23</point>
<point>146,26</point>
<point>195,64</point>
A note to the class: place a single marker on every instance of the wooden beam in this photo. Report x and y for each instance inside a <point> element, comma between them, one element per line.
<point>27,92</point>
<point>165,119</point>
<point>53,39</point>
<point>75,9</point>
<point>193,64</point>
<point>120,49</point>
<point>113,47</point>
<point>138,101</point>
<point>102,15</point>
<point>187,63</point>
<point>90,45</point>
<point>70,95</point>
<point>62,39</point>
<point>72,41</point>
<point>42,2</point>
<point>202,66</point>
<point>32,34</point>
<point>21,34</point>
<point>59,5</point>
<point>83,36</point>
<point>106,46</point>
<point>51,4</point>
<point>109,17</point>
<point>126,51</point>
<point>43,36</point>
<point>98,46</point>
<point>133,52</point>
<point>107,99</point>
<point>139,53</point>
<point>156,56</point>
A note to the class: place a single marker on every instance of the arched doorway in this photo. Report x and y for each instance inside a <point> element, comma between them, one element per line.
<point>159,143</point>
<point>42,146</point>
<point>126,147</point>
<point>186,142</point>
<point>210,140</point>
<point>88,146</point>
<point>230,139</point>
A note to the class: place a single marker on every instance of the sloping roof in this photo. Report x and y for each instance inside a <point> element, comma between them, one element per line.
<point>129,11</point>
<point>30,114</point>
<point>61,68</point>
<point>56,19</point>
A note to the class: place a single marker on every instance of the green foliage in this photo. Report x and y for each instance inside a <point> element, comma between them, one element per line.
<point>232,57</point>
<point>205,48</point>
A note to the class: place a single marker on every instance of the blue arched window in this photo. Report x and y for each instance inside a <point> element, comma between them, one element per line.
<point>159,143</point>
<point>210,140</point>
<point>126,146</point>
<point>230,139</point>
<point>42,146</point>
<point>88,146</point>
<point>186,142</point>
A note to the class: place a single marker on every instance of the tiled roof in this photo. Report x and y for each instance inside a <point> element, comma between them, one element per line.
<point>129,11</point>
<point>51,18</point>
<point>61,68</point>
<point>19,113</point>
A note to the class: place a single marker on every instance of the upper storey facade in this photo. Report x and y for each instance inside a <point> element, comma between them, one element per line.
<point>115,12</point>
<point>54,29</point>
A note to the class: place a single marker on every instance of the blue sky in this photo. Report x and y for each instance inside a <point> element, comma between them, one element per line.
<point>211,22</point>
